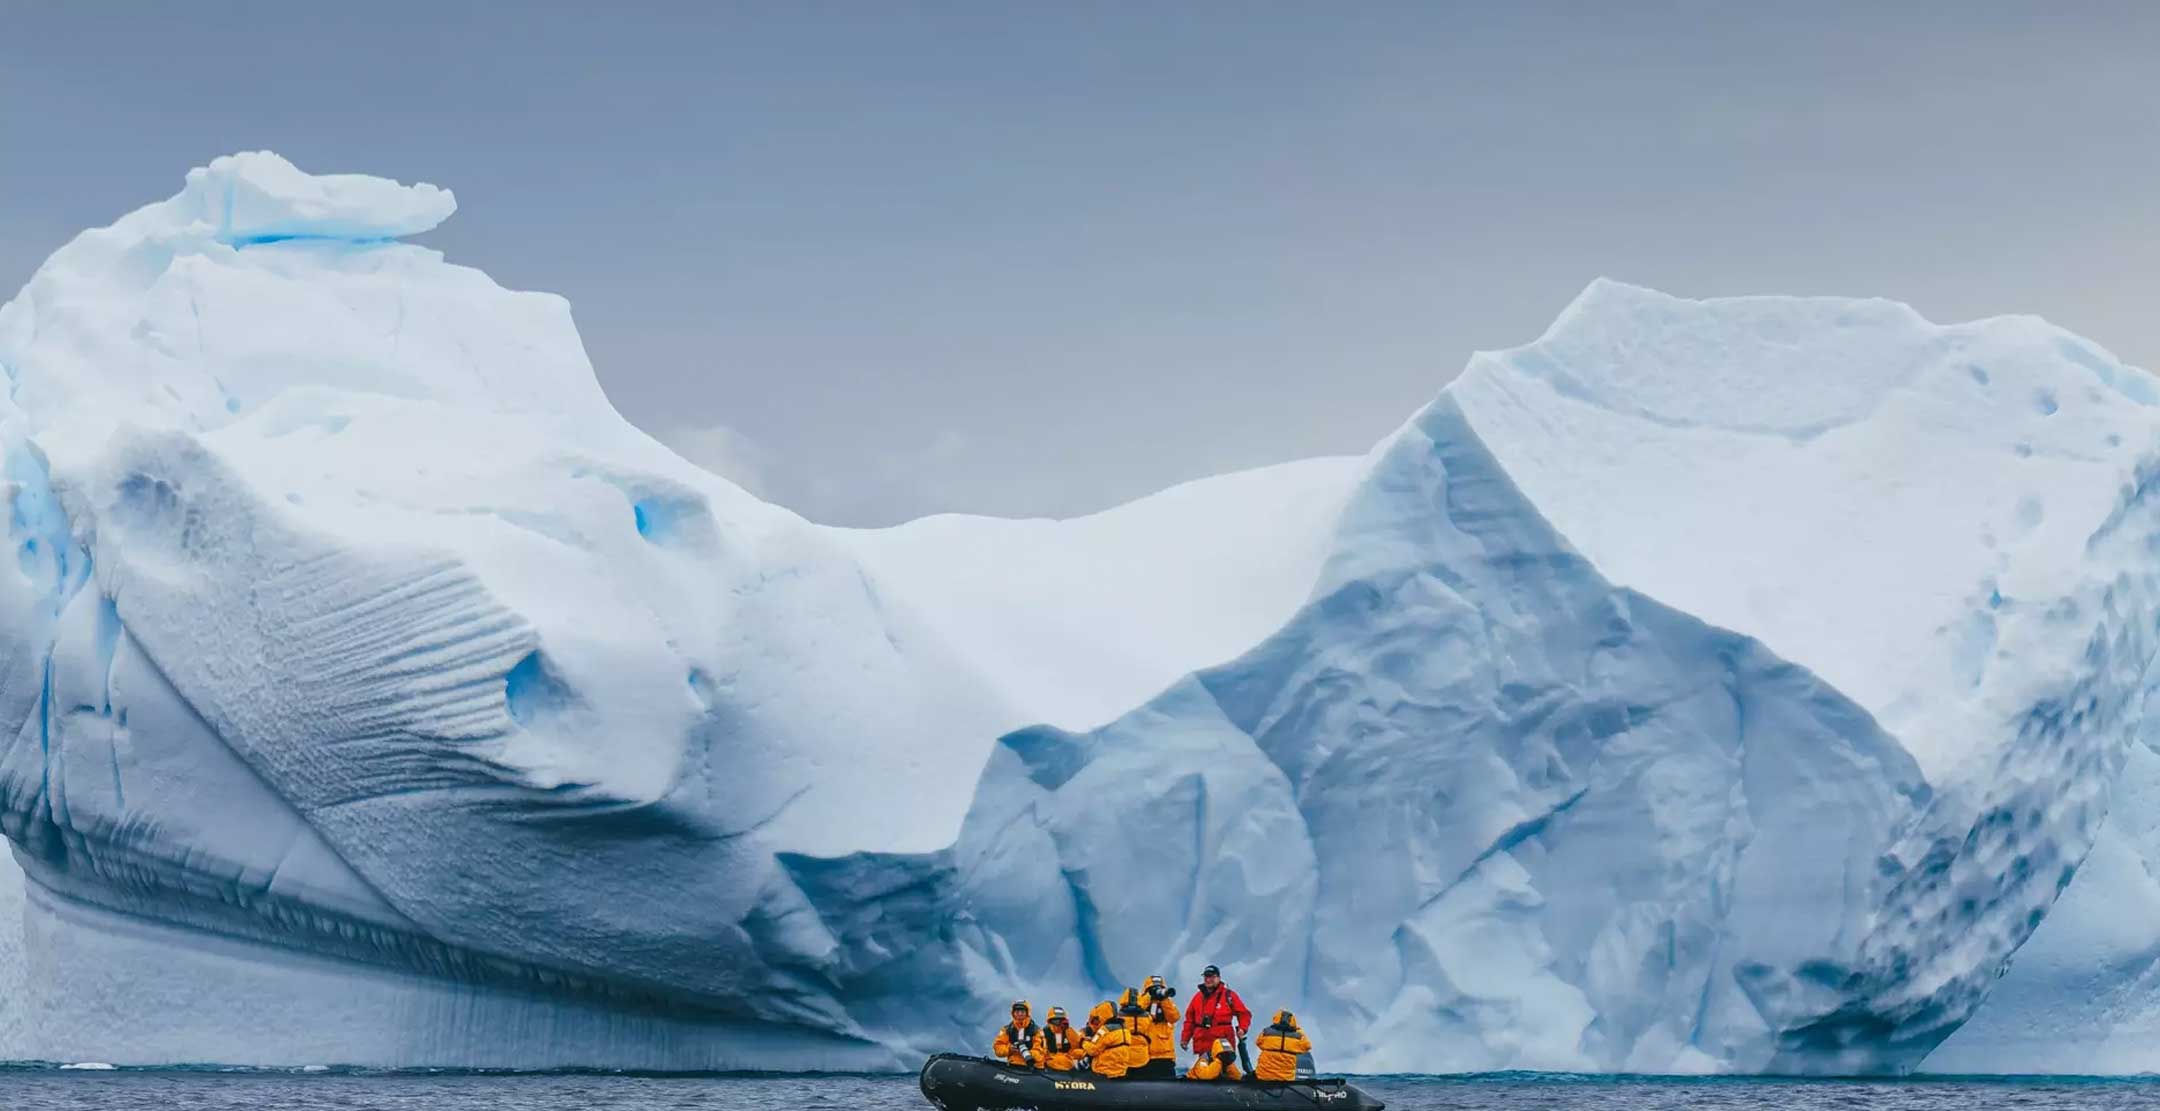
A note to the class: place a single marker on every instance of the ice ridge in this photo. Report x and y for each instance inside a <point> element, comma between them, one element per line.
<point>258,197</point>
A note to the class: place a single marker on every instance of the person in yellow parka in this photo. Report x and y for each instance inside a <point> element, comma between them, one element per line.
<point>1058,1044</point>
<point>1162,1028</point>
<point>1280,1045</point>
<point>1216,1062</point>
<point>1140,1050</point>
<point>1097,1015</point>
<point>1108,1050</point>
<point>1019,1042</point>
<point>1132,1008</point>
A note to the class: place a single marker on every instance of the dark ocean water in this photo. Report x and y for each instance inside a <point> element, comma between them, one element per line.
<point>38,1089</point>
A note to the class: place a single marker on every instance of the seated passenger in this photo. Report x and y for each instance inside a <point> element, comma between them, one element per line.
<point>1019,1042</point>
<point>1280,1045</point>
<point>1058,1043</point>
<point>1109,1050</point>
<point>1217,1061</point>
<point>1097,1015</point>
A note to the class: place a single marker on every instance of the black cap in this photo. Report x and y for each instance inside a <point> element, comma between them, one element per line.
<point>1211,970</point>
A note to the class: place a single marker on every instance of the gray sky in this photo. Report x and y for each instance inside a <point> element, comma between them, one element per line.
<point>881,259</point>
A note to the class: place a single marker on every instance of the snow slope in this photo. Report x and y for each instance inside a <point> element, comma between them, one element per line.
<point>1708,685</point>
<point>1840,478</point>
<point>1079,620</point>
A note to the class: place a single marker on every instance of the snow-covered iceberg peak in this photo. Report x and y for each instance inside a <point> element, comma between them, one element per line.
<point>1874,496</point>
<point>257,278</point>
<point>258,197</point>
<point>1791,366</point>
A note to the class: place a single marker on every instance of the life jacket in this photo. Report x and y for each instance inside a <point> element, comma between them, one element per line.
<point>1017,1042</point>
<point>1149,1022</point>
<point>1109,1048</point>
<point>1161,1019</point>
<point>1059,1048</point>
<point>1139,1039</point>
<point>1279,1049</point>
<point>1216,1014</point>
<point>1098,1015</point>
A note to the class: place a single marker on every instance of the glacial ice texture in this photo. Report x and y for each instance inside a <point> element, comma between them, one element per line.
<point>1707,686</point>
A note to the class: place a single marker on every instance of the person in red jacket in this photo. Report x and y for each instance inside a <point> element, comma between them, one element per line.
<point>1216,1014</point>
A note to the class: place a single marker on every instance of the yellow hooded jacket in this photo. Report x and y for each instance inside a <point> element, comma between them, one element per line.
<point>1132,1007</point>
<point>1096,1016</point>
<point>1280,1045</point>
<point>1017,1039</point>
<point>1214,1066</point>
<point>1057,1049</point>
<point>1110,1049</point>
<point>1161,1019</point>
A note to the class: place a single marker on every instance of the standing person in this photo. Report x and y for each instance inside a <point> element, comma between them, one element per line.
<point>1216,1014</point>
<point>1140,1038</point>
<point>1059,1043</point>
<point>1280,1045</point>
<point>1162,1028</point>
<point>1019,1042</point>
<point>1144,1016</point>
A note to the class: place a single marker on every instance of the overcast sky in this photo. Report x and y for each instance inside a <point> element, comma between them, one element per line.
<point>880,259</point>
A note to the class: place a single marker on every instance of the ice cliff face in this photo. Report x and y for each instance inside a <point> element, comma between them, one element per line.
<point>1952,525</point>
<point>1718,685</point>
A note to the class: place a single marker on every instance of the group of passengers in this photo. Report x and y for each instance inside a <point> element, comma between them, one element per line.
<point>1140,1034</point>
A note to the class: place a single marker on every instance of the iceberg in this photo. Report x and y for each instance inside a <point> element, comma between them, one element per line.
<point>351,627</point>
<point>1631,727</point>
<point>1726,685</point>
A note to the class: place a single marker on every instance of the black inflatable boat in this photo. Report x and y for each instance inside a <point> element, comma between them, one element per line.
<point>956,1083</point>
